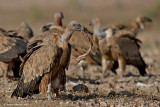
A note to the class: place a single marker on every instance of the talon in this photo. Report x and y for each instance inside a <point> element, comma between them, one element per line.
<point>49,97</point>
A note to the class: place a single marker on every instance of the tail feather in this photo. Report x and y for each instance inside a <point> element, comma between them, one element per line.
<point>114,67</point>
<point>142,67</point>
<point>24,89</point>
<point>142,70</point>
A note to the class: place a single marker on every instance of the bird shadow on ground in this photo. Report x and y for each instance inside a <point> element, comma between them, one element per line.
<point>85,80</point>
<point>85,97</point>
<point>129,74</point>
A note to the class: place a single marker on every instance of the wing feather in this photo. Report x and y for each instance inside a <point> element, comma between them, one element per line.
<point>41,62</point>
<point>128,48</point>
<point>11,47</point>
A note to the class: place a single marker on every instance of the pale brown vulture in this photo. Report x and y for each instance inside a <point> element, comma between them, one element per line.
<point>123,47</point>
<point>58,16</point>
<point>47,29</point>
<point>42,69</point>
<point>99,35</point>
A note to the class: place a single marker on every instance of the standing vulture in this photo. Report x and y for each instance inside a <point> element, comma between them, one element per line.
<point>12,46</point>
<point>42,67</point>
<point>58,16</point>
<point>99,35</point>
<point>123,47</point>
<point>135,27</point>
<point>78,48</point>
<point>47,29</point>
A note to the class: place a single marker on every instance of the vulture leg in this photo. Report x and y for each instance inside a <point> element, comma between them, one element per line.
<point>49,89</point>
<point>56,86</point>
<point>106,65</point>
<point>63,76</point>
<point>5,72</point>
<point>114,67</point>
<point>8,69</point>
<point>122,65</point>
<point>49,92</point>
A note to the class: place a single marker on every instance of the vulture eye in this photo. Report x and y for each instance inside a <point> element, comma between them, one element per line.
<point>74,24</point>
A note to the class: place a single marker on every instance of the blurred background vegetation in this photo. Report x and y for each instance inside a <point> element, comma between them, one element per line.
<point>39,12</point>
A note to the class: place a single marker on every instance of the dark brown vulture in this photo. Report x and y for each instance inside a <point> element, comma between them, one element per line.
<point>123,47</point>
<point>135,27</point>
<point>11,47</point>
<point>42,68</point>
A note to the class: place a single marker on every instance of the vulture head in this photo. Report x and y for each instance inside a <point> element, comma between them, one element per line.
<point>142,20</point>
<point>58,16</point>
<point>75,26</point>
<point>94,21</point>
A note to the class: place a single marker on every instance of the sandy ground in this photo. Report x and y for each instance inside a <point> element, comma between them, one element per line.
<point>131,90</point>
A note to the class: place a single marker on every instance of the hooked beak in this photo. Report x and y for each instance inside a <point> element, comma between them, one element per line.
<point>80,28</point>
<point>147,19</point>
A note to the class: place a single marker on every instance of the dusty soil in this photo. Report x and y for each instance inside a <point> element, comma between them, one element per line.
<point>131,90</point>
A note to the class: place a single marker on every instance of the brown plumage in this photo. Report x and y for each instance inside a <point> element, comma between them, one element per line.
<point>12,46</point>
<point>99,35</point>
<point>58,16</point>
<point>25,31</point>
<point>123,47</point>
<point>43,66</point>
<point>78,48</point>
<point>47,29</point>
<point>48,32</point>
<point>135,27</point>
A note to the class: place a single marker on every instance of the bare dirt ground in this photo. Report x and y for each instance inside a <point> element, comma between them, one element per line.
<point>131,90</point>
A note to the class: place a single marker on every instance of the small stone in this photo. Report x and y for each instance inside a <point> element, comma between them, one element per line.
<point>112,94</point>
<point>80,88</point>
<point>124,93</point>
<point>70,96</point>
<point>97,82</point>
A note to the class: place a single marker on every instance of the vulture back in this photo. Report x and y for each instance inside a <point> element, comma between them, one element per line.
<point>11,47</point>
<point>40,62</point>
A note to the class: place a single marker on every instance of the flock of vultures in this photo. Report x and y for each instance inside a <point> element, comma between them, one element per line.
<point>41,61</point>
